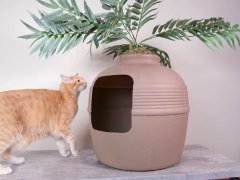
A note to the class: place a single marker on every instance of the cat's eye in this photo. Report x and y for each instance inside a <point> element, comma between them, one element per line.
<point>78,81</point>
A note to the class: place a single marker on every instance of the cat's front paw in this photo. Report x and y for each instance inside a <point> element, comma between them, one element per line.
<point>75,153</point>
<point>5,170</point>
<point>65,153</point>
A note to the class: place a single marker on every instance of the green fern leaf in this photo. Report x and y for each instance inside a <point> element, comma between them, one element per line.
<point>64,4</point>
<point>137,6</point>
<point>39,45</point>
<point>110,2</point>
<point>76,8</point>
<point>45,48</point>
<point>236,37</point>
<point>66,26</point>
<point>139,1</point>
<point>155,29</point>
<point>30,36</point>
<point>183,22</point>
<point>30,27</point>
<point>147,19</point>
<point>95,40</point>
<point>123,2</point>
<point>64,42</point>
<point>54,3</point>
<point>208,31</point>
<point>150,4</point>
<point>106,6</point>
<point>38,21</point>
<point>88,11</point>
<point>133,17</point>
<point>54,46</point>
<point>135,11</point>
<point>85,28</point>
<point>48,5</point>
<point>143,12</point>
<point>54,16</point>
<point>135,23</point>
<point>164,58</point>
<point>167,24</point>
<point>218,40</point>
<point>72,41</point>
<point>67,5</point>
<point>173,23</point>
<point>148,12</point>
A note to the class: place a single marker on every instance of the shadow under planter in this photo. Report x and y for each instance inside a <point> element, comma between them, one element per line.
<point>139,113</point>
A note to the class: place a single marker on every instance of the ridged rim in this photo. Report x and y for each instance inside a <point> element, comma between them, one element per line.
<point>138,55</point>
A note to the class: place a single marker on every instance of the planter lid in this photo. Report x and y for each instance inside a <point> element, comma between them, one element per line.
<point>157,90</point>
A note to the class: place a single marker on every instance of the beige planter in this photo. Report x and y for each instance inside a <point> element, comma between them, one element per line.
<point>139,112</point>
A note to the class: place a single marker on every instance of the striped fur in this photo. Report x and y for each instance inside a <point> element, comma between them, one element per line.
<point>28,115</point>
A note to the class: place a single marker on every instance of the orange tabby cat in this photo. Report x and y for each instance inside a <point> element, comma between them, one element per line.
<point>28,115</point>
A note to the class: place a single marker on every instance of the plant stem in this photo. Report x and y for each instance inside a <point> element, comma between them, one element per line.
<point>140,21</point>
<point>133,40</point>
<point>126,28</point>
<point>127,39</point>
<point>147,39</point>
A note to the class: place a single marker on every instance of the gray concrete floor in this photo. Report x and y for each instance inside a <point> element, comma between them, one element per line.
<point>197,163</point>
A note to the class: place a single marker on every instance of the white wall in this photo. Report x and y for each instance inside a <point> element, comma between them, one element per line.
<point>212,77</point>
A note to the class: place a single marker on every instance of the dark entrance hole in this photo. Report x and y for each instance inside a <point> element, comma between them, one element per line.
<point>112,104</point>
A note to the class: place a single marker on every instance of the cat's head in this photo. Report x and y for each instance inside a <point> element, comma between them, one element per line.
<point>74,83</point>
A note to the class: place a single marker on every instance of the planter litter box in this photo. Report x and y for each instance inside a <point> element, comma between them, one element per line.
<point>139,112</point>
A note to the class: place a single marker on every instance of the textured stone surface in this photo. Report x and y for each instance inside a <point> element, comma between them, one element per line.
<point>197,163</point>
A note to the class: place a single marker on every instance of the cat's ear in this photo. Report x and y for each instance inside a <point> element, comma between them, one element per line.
<point>65,79</point>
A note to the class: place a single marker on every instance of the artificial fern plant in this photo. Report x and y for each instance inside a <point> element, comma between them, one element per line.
<point>67,26</point>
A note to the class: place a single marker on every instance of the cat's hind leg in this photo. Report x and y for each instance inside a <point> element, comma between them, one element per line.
<point>20,145</point>
<point>8,157</point>
<point>23,142</point>
<point>4,170</point>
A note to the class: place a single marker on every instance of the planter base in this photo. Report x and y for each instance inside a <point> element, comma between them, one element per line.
<point>153,143</point>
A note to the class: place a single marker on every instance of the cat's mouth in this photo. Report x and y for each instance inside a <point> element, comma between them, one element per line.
<point>82,87</point>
